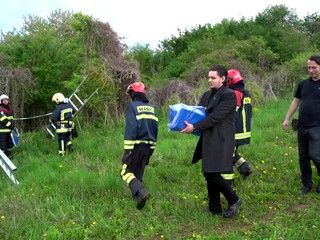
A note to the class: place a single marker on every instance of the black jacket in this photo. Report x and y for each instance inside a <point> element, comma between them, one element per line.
<point>141,123</point>
<point>62,117</point>
<point>216,145</point>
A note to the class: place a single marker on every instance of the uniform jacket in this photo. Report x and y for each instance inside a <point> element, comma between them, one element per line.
<point>243,114</point>
<point>6,119</point>
<point>216,144</point>
<point>62,117</point>
<point>141,123</point>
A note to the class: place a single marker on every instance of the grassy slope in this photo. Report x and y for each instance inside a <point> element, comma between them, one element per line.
<point>82,196</point>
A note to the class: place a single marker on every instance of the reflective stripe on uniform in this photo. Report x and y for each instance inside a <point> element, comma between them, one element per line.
<point>127,177</point>
<point>227,176</point>
<point>129,144</point>
<point>244,135</point>
<point>147,116</point>
<point>5,130</point>
<point>64,130</point>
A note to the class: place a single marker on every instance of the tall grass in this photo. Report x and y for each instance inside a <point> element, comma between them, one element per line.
<point>81,196</point>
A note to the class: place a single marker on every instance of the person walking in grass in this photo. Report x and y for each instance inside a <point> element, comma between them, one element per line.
<point>62,118</point>
<point>243,123</point>
<point>216,144</point>
<point>140,138</point>
<point>307,99</point>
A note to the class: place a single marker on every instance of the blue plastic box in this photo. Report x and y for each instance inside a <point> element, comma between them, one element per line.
<point>179,113</point>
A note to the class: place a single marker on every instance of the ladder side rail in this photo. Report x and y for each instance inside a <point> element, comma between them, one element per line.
<point>8,167</point>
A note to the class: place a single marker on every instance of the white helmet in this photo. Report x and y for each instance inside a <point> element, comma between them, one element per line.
<point>58,98</point>
<point>3,96</point>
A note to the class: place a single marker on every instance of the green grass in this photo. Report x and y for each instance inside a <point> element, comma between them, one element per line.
<point>81,196</point>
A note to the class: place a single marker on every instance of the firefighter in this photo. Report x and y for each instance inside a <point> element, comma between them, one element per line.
<point>7,124</point>
<point>243,120</point>
<point>62,118</point>
<point>140,138</point>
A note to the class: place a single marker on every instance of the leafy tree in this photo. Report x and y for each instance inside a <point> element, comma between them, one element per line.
<point>144,55</point>
<point>60,51</point>
<point>311,25</point>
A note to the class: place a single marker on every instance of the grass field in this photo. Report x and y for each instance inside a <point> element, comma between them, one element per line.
<point>81,196</point>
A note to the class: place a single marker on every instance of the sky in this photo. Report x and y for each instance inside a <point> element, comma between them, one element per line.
<point>147,21</point>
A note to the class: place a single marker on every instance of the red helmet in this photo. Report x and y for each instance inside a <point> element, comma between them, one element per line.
<point>136,87</point>
<point>234,77</point>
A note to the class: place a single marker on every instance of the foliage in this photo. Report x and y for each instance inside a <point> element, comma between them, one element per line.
<point>144,56</point>
<point>61,50</point>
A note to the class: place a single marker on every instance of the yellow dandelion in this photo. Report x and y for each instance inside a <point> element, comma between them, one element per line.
<point>184,197</point>
<point>195,196</point>
<point>60,166</point>
<point>262,161</point>
<point>45,234</point>
<point>162,236</point>
<point>286,154</point>
<point>274,168</point>
<point>3,217</point>
<point>264,171</point>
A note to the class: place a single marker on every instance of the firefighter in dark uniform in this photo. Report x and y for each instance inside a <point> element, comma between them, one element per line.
<point>243,123</point>
<point>62,118</point>
<point>140,138</point>
<point>6,125</point>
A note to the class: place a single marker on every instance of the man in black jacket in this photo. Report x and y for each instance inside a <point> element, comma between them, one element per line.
<point>216,144</point>
<point>140,138</point>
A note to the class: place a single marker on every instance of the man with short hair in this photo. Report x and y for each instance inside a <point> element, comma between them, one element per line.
<point>216,144</point>
<point>307,99</point>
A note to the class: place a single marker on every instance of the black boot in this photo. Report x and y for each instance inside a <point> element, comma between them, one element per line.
<point>232,209</point>
<point>142,196</point>
<point>215,210</point>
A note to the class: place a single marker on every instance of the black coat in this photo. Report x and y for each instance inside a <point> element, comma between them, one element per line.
<point>216,144</point>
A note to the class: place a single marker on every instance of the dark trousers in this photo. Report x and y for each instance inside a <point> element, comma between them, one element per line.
<point>6,143</point>
<point>63,142</point>
<point>309,149</point>
<point>216,184</point>
<point>133,166</point>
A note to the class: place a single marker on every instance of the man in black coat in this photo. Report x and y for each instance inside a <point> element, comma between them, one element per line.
<point>216,144</point>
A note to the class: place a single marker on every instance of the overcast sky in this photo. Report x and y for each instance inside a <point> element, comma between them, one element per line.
<point>147,21</point>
